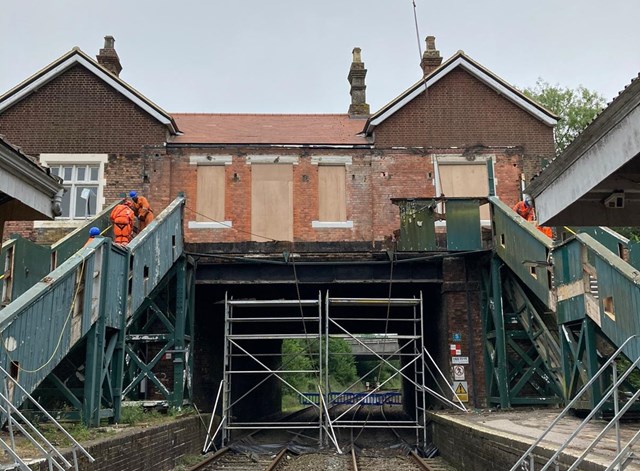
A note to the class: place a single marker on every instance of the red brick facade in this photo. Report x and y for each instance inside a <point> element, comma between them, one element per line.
<point>78,113</point>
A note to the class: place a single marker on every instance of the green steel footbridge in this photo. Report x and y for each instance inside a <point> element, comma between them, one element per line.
<point>83,327</point>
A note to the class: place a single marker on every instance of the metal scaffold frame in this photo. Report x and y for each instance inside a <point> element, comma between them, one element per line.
<point>411,350</point>
<point>235,347</point>
<point>319,328</point>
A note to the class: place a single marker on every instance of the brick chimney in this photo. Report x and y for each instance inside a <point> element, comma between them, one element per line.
<point>108,57</point>
<point>357,73</point>
<point>431,59</point>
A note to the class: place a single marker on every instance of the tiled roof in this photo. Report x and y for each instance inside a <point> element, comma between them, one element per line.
<point>289,129</point>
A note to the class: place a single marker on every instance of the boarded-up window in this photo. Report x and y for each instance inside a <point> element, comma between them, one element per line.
<point>271,202</point>
<point>210,193</point>
<point>465,180</point>
<point>332,193</point>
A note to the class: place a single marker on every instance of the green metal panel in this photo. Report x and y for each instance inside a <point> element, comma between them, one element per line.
<point>417,224</point>
<point>116,286</point>
<point>154,252</point>
<point>56,304</point>
<point>523,248</point>
<point>29,264</point>
<point>463,224</point>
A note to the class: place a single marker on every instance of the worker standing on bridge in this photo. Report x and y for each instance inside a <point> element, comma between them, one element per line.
<point>143,210</point>
<point>525,209</point>
<point>123,218</point>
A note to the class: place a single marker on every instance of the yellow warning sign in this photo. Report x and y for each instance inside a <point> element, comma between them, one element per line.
<point>460,388</point>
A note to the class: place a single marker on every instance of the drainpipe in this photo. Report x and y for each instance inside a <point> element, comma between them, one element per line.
<point>56,203</point>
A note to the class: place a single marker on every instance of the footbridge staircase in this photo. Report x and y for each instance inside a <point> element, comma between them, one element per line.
<point>557,310</point>
<point>83,327</point>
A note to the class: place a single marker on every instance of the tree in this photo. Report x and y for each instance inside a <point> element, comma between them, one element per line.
<point>576,108</point>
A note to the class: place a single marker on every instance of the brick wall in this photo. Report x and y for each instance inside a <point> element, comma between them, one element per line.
<point>158,447</point>
<point>78,113</point>
<point>461,298</point>
<point>460,111</point>
<point>373,178</point>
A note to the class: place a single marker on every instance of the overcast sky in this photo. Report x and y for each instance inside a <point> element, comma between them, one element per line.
<point>293,56</point>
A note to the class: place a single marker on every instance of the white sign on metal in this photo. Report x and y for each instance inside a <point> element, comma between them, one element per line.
<point>460,360</point>
<point>458,373</point>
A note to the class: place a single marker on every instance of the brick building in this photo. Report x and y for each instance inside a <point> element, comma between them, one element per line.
<point>319,184</point>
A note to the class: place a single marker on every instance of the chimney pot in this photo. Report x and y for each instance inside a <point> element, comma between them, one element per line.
<point>109,42</point>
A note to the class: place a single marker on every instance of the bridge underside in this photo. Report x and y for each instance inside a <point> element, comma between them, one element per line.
<point>310,287</point>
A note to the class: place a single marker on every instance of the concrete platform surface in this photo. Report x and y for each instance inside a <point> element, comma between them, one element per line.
<point>526,425</point>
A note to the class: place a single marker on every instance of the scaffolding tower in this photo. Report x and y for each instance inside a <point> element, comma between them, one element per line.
<point>250,322</point>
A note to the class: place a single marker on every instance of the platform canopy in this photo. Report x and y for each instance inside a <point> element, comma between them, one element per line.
<point>27,190</point>
<point>596,180</point>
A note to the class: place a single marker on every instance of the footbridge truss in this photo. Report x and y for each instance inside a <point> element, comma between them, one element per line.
<point>85,327</point>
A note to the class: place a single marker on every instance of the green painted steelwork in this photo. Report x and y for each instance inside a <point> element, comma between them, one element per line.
<point>417,224</point>
<point>84,304</point>
<point>463,224</point>
<point>421,230</point>
<point>614,307</point>
<point>25,263</point>
<point>523,248</point>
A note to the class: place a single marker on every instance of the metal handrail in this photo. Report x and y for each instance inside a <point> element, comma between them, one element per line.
<point>12,409</point>
<point>528,453</point>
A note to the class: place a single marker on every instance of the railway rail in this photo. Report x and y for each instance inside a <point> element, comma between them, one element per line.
<point>227,459</point>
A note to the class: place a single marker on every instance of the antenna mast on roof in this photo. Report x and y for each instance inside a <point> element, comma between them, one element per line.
<point>415,19</point>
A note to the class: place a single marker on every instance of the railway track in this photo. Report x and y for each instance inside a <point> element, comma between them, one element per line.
<point>227,459</point>
<point>409,462</point>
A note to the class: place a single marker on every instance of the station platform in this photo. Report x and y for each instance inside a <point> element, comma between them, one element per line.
<point>495,440</point>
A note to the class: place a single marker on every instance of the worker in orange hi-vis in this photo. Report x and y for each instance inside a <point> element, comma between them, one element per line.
<point>142,209</point>
<point>93,233</point>
<point>525,208</point>
<point>123,218</point>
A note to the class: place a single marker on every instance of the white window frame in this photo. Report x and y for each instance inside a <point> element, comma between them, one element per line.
<point>453,159</point>
<point>48,160</point>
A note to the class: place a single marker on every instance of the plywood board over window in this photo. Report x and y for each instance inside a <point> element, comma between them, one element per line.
<point>462,179</point>
<point>332,193</point>
<point>271,202</point>
<point>210,193</point>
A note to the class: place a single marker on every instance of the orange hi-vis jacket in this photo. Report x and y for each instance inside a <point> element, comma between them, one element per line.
<point>525,211</point>
<point>143,211</point>
<point>122,218</point>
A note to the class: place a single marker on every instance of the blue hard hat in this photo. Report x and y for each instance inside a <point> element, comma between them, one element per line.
<point>94,231</point>
<point>133,194</point>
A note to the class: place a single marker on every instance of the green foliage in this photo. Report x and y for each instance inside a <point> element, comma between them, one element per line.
<point>131,415</point>
<point>576,108</point>
<point>298,354</point>
<point>379,371</point>
<point>631,233</point>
